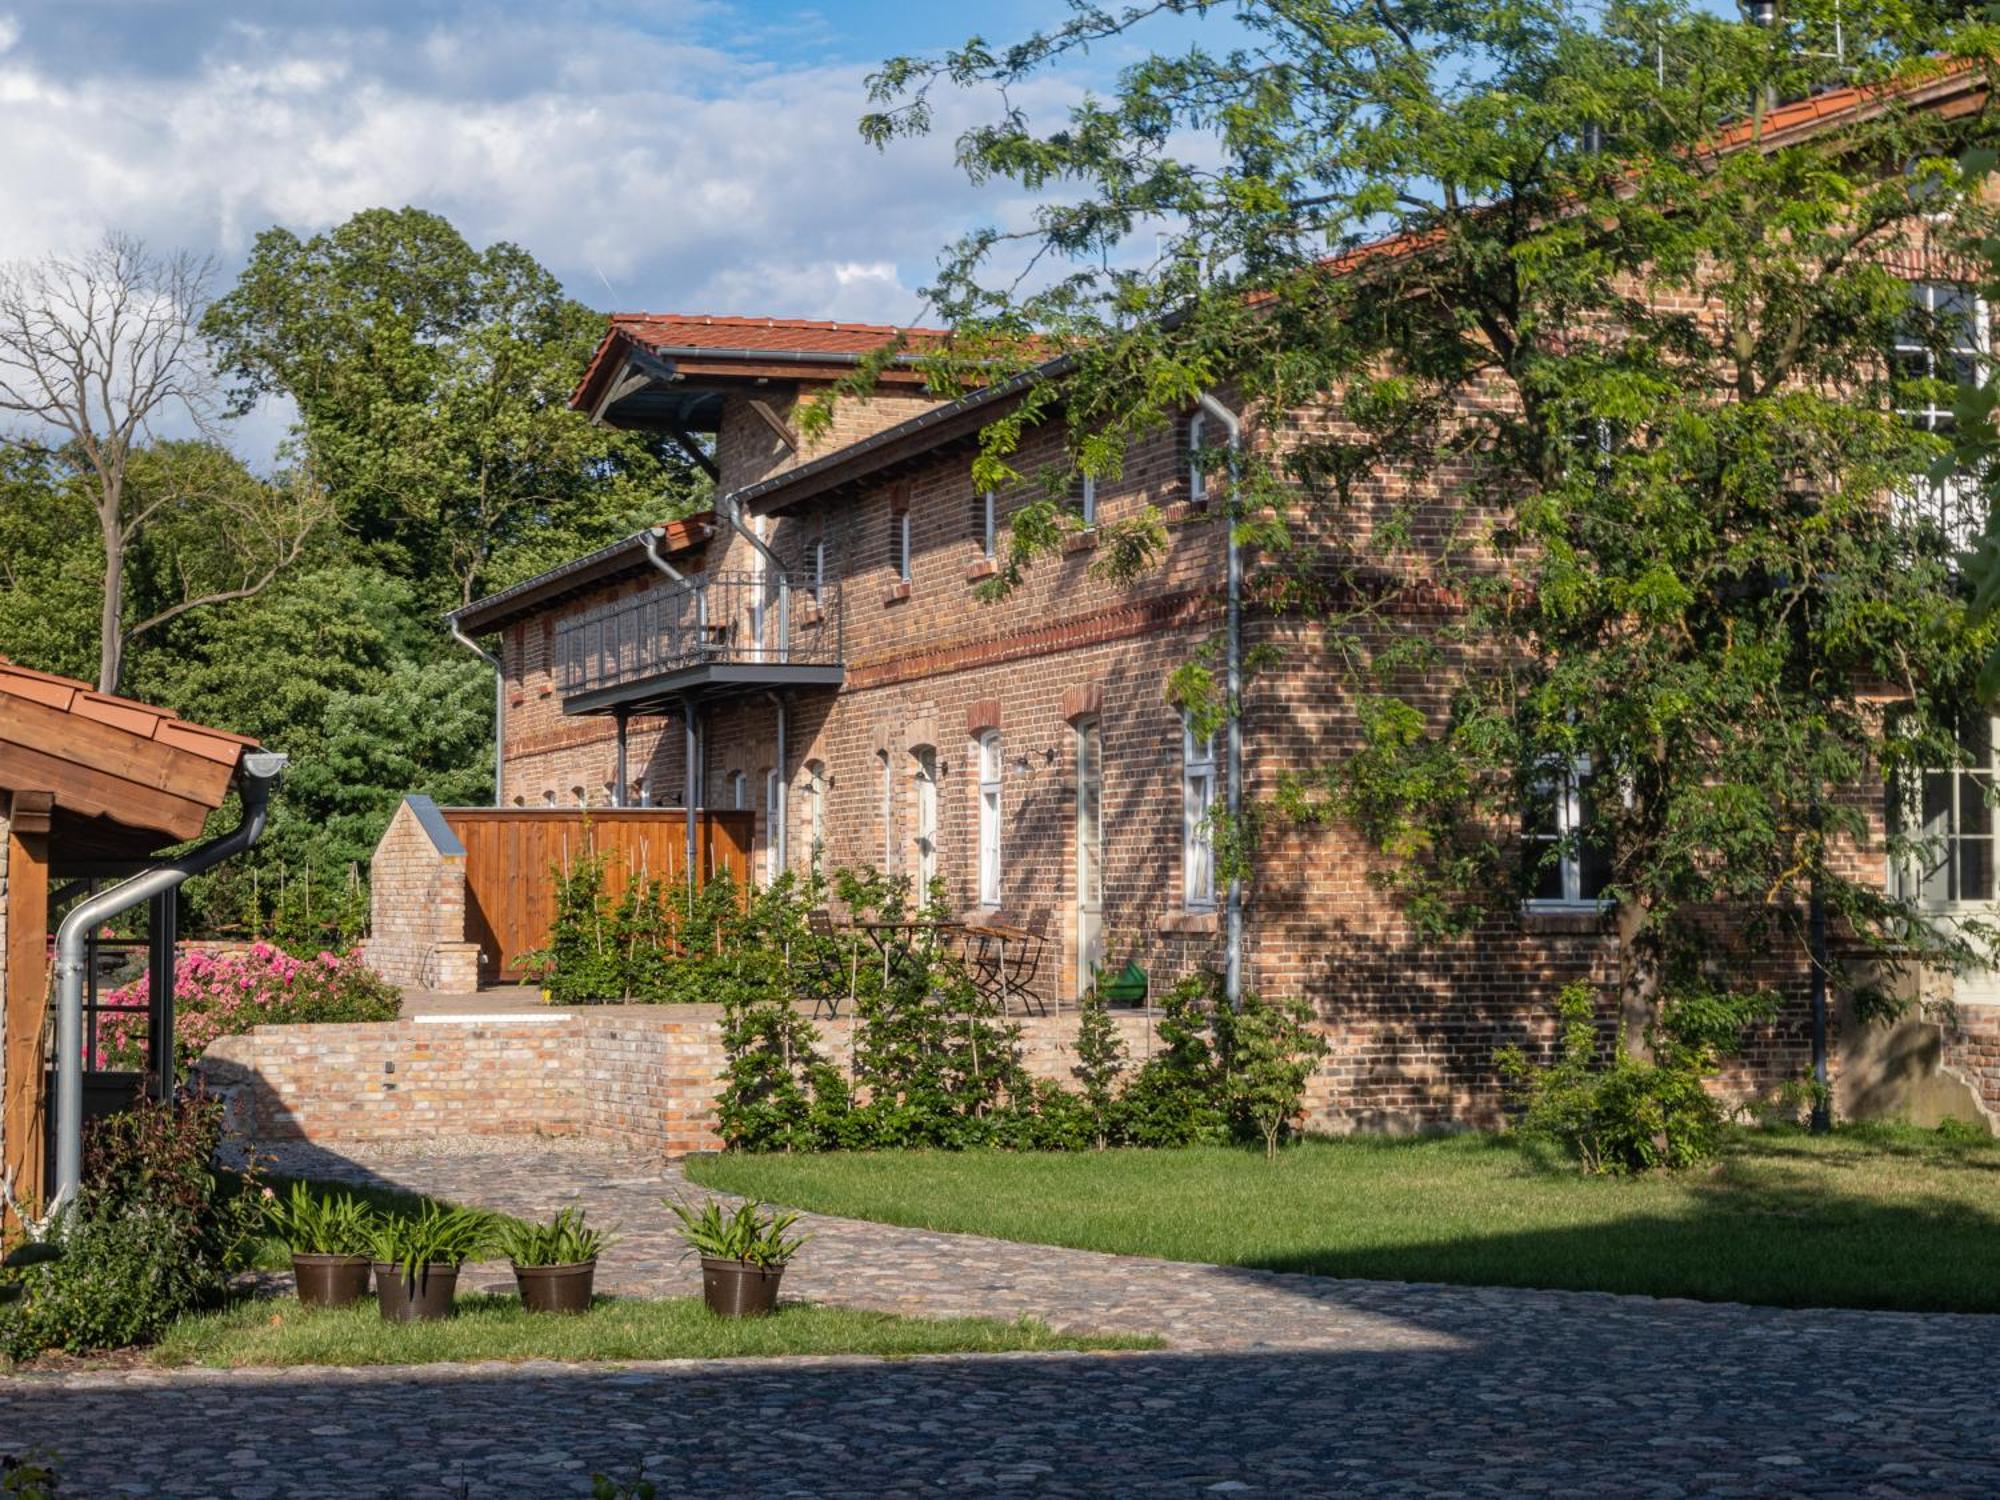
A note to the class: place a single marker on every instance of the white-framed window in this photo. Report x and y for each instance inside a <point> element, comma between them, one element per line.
<point>739,790</point>
<point>773,812</point>
<point>989,537</point>
<point>986,754</point>
<point>549,797</point>
<point>1197,476</point>
<point>1947,815</point>
<point>579,796</point>
<point>1944,345</point>
<point>1198,785</point>
<point>819,570</point>
<point>899,539</point>
<point>1564,868</point>
<point>887,809</point>
<point>923,771</point>
<point>1087,501</point>
<point>815,810</point>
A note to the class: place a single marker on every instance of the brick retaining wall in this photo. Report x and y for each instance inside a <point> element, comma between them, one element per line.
<point>643,1077</point>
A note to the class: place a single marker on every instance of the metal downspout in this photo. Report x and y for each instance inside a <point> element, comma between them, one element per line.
<point>257,777</point>
<point>734,514</point>
<point>499,709</point>
<point>1233,631</point>
<point>650,540</point>
<point>779,822</point>
<point>690,793</point>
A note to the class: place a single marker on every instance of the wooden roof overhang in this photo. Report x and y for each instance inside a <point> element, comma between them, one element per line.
<point>659,388</point>
<point>126,779</point>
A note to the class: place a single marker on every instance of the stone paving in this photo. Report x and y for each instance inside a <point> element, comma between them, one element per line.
<point>1274,1385</point>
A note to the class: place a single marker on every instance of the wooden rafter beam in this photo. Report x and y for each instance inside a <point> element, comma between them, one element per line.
<point>776,423</point>
<point>684,440</point>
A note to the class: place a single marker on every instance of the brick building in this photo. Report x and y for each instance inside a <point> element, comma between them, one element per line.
<point>814,649</point>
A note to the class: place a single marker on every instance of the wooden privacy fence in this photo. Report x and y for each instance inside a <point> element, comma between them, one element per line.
<point>512,852</point>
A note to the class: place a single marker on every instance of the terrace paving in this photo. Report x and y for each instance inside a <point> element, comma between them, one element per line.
<point>1272,1385</point>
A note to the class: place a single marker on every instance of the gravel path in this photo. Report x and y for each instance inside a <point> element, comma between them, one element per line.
<point>1275,1385</point>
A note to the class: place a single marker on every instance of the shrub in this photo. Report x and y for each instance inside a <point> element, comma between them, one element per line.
<point>1178,1098</point>
<point>1100,1059</point>
<point>1617,1113</point>
<point>226,994</point>
<point>153,1233</point>
<point>1269,1050</point>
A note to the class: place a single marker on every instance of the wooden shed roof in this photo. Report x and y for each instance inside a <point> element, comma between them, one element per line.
<point>127,778</point>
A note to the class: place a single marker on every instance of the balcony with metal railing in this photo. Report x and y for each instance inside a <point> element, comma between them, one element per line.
<point>717,632</point>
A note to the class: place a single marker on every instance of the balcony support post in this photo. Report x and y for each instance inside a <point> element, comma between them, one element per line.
<point>621,715</point>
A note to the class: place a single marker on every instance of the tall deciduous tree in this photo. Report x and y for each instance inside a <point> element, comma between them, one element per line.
<point>97,351</point>
<point>432,381</point>
<point>1602,372</point>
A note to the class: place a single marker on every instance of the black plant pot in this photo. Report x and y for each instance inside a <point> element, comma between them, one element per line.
<point>431,1297</point>
<point>330,1280</point>
<point>739,1289</point>
<point>556,1289</point>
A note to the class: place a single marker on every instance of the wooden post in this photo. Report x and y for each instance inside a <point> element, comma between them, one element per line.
<point>24,1107</point>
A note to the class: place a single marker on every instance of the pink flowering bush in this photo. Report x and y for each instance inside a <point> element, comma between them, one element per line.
<point>223,994</point>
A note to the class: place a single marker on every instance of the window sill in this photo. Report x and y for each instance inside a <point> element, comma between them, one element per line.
<point>897,594</point>
<point>1563,918</point>
<point>985,568</point>
<point>1187,513</point>
<point>1189,923</point>
<point>1081,541</point>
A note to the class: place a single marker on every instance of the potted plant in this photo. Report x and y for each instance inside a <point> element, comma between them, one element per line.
<point>555,1263</point>
<point>330,1241</point>
<point>743,1255</point>
<point>417,1259</point>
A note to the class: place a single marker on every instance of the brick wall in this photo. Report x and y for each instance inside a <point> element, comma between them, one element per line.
<point>642,1077</point>
<point>417,904</point>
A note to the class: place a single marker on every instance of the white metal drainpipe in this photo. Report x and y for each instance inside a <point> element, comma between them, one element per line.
<point>499,709</point>
<point>257,779</point>
<point>1233,631</point>
<point>778,818</point>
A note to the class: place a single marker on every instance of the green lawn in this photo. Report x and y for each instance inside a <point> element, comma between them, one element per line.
<point>280,1332</point>
<point>1868,1217</point>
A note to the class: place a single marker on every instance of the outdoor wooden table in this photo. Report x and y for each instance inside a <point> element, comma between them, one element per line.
<point>884,936</point>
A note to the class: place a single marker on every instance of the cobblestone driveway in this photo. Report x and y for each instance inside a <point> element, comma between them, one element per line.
<point>1276,1385</point>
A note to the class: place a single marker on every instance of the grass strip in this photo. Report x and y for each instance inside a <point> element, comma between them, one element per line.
<point>490,1327</point>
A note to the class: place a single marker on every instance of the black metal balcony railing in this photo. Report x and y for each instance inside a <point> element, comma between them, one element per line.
<point>715,619</point>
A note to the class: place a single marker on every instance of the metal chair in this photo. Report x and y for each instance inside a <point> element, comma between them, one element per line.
<point>821,970</point>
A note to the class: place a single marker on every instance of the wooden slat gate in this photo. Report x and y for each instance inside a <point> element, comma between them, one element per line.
<point>511,854</point>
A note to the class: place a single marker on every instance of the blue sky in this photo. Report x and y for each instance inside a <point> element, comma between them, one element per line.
<point>665,154</point>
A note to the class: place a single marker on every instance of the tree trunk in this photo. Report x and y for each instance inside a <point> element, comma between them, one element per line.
<point>1638,980</point>
<point>111,616</point>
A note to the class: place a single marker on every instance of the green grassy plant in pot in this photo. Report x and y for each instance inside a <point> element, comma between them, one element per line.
<point>331,1240</point>
<point>743,1255</point>
<point>417,1259</point>
<point>555,1264</point>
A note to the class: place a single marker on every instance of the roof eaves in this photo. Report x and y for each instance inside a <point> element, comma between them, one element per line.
<point>858,454</point>
<point>490,612</point>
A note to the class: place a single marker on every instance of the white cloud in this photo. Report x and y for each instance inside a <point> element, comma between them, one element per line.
<point>679,175</point>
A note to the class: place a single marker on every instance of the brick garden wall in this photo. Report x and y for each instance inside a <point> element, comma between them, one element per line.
<point>640,1077</point>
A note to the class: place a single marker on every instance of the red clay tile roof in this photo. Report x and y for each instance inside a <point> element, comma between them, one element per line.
<point>69,696</point>
<point>793,335</point>
<point>725,336</point>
